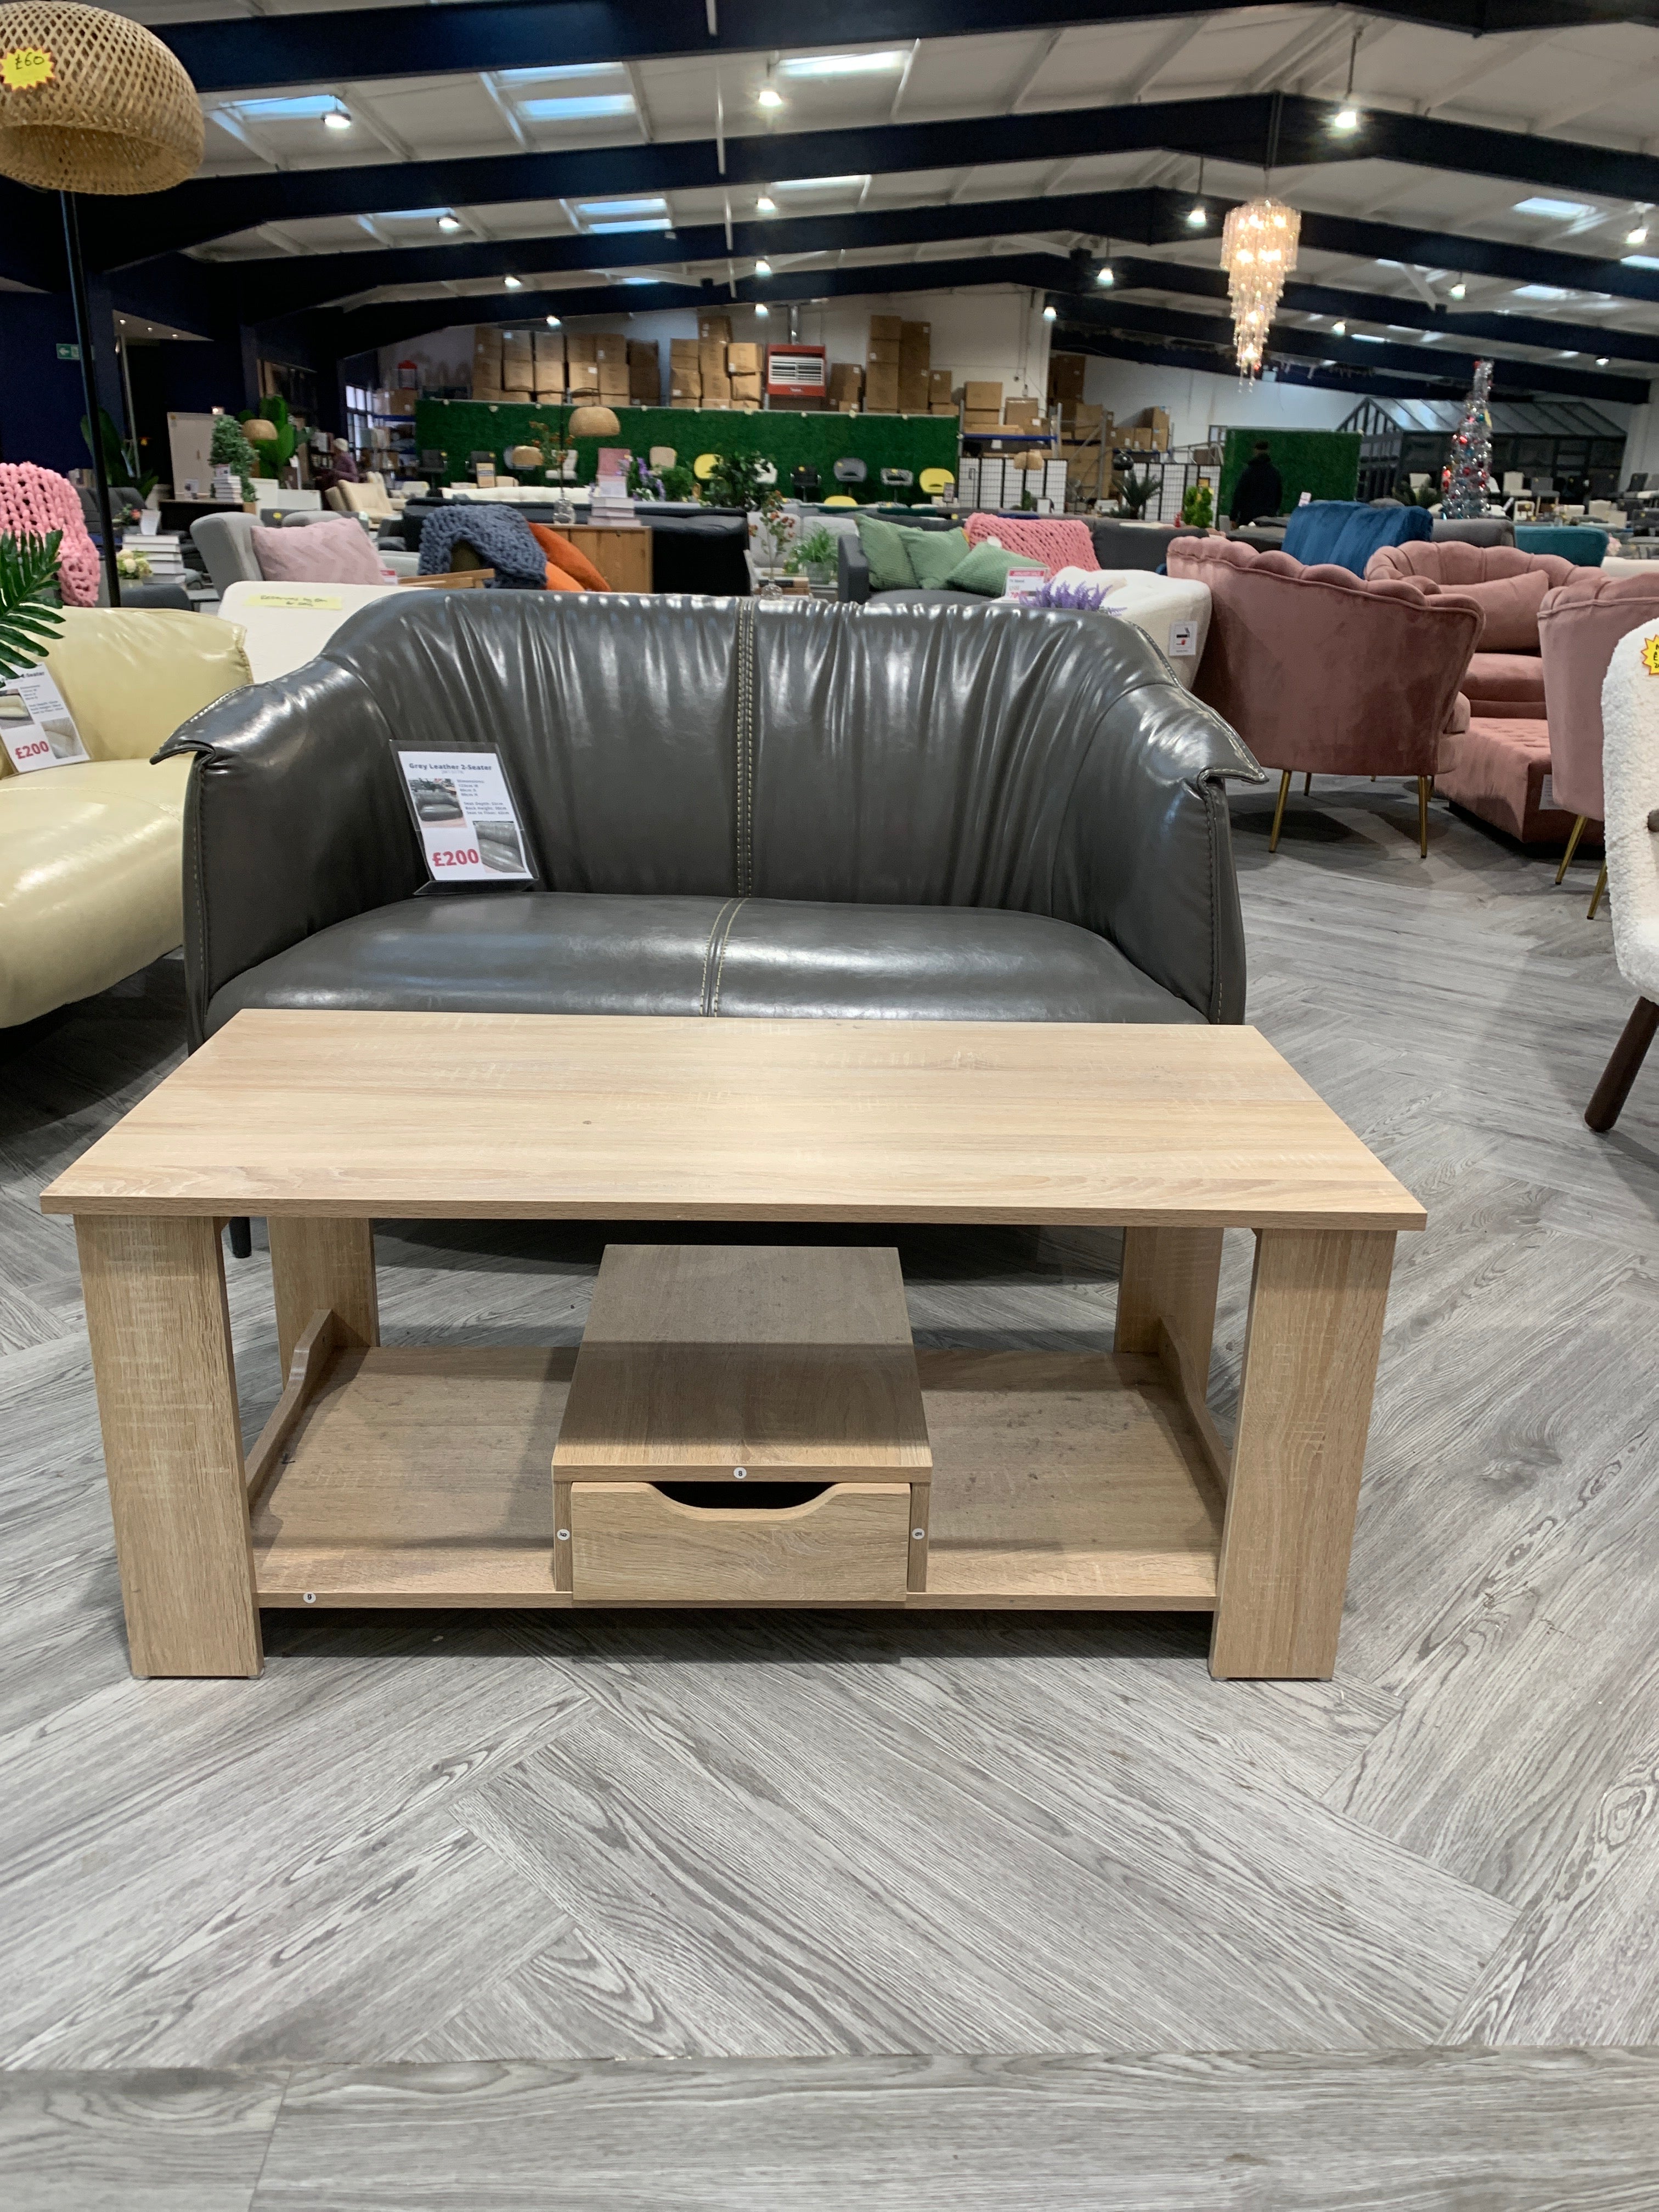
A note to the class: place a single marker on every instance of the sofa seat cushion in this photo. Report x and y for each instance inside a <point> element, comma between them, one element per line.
<point>91,879</point>
<point>1499,771</point>
<point>553,952</point>
<point>1500,683</point>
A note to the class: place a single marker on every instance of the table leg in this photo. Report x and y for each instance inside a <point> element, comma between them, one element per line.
<point>1169,1276</point>
<point>160,1332</point>
<point>1310,1351</point>
<point>318,1261</point>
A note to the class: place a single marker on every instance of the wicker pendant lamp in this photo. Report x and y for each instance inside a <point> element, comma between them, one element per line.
<point>594,423</point>
<point>92,102</point>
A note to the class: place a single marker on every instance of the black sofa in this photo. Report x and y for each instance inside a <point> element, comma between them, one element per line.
<point>693,548</point>
<point>737,808</point>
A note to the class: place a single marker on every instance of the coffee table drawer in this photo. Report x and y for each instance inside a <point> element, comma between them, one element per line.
<point>632,1546</point>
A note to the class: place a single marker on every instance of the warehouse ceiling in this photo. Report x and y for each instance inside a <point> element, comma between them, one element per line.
<point>416,165</point>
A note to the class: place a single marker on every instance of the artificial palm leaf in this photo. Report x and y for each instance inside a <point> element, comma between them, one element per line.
<point>29,615</point>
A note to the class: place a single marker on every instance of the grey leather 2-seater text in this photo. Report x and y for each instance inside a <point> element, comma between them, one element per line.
<point>736,809</point>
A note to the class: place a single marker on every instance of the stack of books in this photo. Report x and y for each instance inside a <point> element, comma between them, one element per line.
<point>162,551</point>
<point>610,506</point>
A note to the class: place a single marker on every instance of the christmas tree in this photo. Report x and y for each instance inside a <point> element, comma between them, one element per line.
<point>1463,484</point>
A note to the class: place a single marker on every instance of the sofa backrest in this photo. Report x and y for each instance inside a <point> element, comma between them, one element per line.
<point>1578,626</point>
<point>1319,669</point>
<point>225,543</point>
<point>284,625</point>
<point>1345,532</point>
<point>131,675</point>
<point>912,756</point>
<point>1452,562</point>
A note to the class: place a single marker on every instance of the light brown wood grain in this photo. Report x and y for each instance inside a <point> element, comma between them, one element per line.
<point>311,1355</point>
<point>921,1497</point>
<point>418,1476</point>
<point>622,557</point>
<point>532,1116</point>
<point>561,1552</point>
<point>633,1546</point>
<point>1062,1479</point>
<point>322,1263</point>
<point>1169,1277</point>
<point>160,1334</point>
<point>1311,1354</point>
<point>782,1360</point>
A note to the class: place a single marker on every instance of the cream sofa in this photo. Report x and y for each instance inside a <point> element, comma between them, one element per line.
<point>91,855</point>
<point>283,626</point>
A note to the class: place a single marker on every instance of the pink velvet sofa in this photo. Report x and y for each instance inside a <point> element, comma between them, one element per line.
<point>1506,676</point>
<point>1540,778</point>
<point>1323,673</point>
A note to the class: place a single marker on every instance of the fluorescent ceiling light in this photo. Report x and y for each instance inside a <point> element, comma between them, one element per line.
<point>1367,338</point>
<point>337,120</point>
<point>449,222</point>
<point>652,223</point>
<point>842,65</point>
<point>1640,261</point>
<point>583,107</point>
<point>1431,337</point>
<point>818,184</point>
<point>768,97</point>
<point>1556,211</point>
<point>1568,353</point>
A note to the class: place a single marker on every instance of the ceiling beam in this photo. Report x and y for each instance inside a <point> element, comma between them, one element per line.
<point>247,53</point>
<point>118,231</point>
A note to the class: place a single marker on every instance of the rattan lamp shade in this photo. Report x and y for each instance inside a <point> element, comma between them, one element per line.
<point>594,423</point>
<point>90,102</point>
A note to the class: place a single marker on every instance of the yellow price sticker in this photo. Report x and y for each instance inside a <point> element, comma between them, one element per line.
<point>331,600</point>
<point>1651,655</point>
<point>24,68</point>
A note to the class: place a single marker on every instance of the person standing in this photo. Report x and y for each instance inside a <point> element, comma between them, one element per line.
<point>1260,489</point>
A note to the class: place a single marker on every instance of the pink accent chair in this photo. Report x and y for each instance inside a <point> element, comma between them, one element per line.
<point>1505,677</point>
<point>1321,672</point>
<point>1578,628</point>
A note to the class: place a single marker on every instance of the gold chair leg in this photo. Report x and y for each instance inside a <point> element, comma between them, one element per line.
<point>1572,845</point>
<point>1279,810</point>
<point>1422,817</point>
<point>1596,895</point>
<point>1307,785</point>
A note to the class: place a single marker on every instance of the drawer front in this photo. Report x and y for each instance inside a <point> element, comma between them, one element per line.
<point>632,1546</point>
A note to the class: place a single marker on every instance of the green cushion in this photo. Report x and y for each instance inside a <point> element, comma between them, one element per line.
<point>933,553</point>
<point>884,548</point>
<point>985,570</point>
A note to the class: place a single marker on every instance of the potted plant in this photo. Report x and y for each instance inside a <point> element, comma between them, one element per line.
<point>231,450</point>
<point>29,599</point>
<point>815,556</point>
<point>1137,490</point>
<point>554,442</point>
<point>1198,505</point>
<point>775,526</point>
<point>272,434</point>
<point>643,482</point>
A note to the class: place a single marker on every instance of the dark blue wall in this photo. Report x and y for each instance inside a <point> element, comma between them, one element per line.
<point>41,401</point>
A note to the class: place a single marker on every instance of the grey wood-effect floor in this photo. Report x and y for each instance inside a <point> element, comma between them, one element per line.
<point>893,1911</point>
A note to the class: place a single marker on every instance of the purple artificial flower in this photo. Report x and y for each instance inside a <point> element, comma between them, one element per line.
<point>1090,597</point>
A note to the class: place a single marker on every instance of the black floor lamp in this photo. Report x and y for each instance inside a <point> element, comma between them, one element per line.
<point>92,103</point>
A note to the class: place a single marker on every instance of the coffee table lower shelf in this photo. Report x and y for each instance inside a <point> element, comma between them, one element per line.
<point>422,1476</point>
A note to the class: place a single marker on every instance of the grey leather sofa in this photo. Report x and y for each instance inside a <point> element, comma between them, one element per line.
<point>737,809</point>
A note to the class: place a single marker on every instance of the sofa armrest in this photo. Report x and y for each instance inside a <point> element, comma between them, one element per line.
<point>852,571</point>
<point>295,819</point>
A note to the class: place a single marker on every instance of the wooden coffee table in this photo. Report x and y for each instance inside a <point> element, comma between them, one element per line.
<point>424,1476</point>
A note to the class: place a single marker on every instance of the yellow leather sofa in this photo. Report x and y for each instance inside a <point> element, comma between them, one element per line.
<point>91,855</point>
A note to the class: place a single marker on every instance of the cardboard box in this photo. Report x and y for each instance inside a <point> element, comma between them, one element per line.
<point>401,403</point>
<point>884,354</point>
<point>846,380</point>
<point>1157,422</point>
<point>746,387</point>
<point>684,387</point>
<point>486,342</point>
<point>745,406</point>
<point>549,354</point>
<point>915,345</point>
<point>742,358</point>
<point>684,349</point>
<point>1066,374</point>
<point>979,420</point>
<point>549,395</point>
<point>711,358</point>
<point>583,378</point>
<point>1077,413</point>
<point>714,326</point>
<point>611,349</point>
<point>613,383</point>
<point>887,327</point>
<point>949,408</point>
<point>982,398</point>
<point>686,403</point>
<point>938,388</point>
<point>488,395</point>
<point>1024,415</point>
<point>518,376</point>
<point>579,346</point>
<point>716,391</point>
<point>912,394</point>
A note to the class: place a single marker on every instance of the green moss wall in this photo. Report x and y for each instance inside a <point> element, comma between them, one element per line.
<point>458,427</point>
<point>1325,463</point>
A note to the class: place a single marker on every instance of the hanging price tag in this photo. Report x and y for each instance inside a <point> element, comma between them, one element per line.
<point>23,68</point>
<point>36,727</point>
<point>469,827</point>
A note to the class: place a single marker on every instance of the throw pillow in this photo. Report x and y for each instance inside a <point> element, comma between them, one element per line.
<point>558,582</point>
<point>886,549</point>
<point>985,570</point>
<point>933,553</point>
<point>318,553</point>
<point>1510,605</point>
<point>571,558</point>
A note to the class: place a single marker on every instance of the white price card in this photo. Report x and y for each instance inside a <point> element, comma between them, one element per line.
<point>1183,639</point>
<point>468,824</point>
<point>36,727</point>
<point>1024,583</point>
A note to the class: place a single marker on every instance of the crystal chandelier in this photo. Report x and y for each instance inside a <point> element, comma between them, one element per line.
<point>1258,252</point>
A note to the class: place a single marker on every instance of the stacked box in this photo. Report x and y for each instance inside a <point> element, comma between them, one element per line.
<point>684,373</point>
<point>582,379</point>
<point>981,406</point>
<point>486,362</point>
<point>939,401</point>
<point>550,367</point>
<point>1156,423</point>
<point>711,363</point>
<point>610,357</point>
<point>1023,414</point>
<point>518,361</point>
<point>716,327</point>
<point>915,355</point>
<point>644,373</point>
<point>881,365</point>
<point>742,358</point>
<point>746,390</point>
<point>1066,374</point>
<point>846,386</point>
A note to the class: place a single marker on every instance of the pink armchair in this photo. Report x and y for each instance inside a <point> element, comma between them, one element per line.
<point>1323,673</point>
<point>1504,679</point>
<point>1579,627</point>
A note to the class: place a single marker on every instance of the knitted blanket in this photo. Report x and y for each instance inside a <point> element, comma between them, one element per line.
<point>499,537</point>
<point>33,502</point>
<point>1058,541</point>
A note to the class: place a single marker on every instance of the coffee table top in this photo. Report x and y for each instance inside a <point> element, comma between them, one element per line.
<point>623,1118</point>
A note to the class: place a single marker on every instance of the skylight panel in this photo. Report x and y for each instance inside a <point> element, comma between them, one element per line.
<point>578,107</point>
<point>843,66</point>
<point>1555,210</point>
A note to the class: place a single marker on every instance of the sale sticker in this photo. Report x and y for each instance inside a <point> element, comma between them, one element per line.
<point>36,727</point>
<point>469,827</point>
<point>1651,655</point>
<point>24,68</point>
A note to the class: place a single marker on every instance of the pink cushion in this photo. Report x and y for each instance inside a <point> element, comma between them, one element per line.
<point>1053,539</point>
<point>1510,605</point>
<point>318,553</point>
<point>1580,623</point>
<point>1505,684</point>
<point>1498,771</point>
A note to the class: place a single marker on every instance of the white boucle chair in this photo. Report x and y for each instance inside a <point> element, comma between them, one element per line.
<point>1630,773</point>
